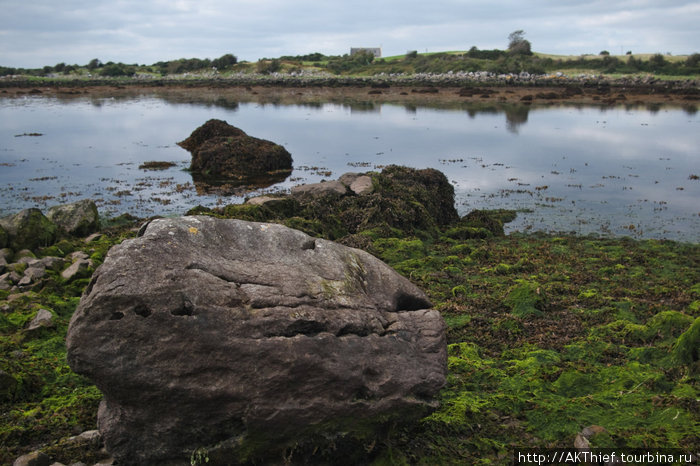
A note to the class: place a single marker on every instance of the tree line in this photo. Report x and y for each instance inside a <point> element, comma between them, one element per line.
<point>517,58</point>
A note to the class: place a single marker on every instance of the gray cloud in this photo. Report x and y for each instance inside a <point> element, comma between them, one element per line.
<point>42,32</point>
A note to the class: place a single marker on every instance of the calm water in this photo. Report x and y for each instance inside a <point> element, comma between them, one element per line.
<point>614,171</point>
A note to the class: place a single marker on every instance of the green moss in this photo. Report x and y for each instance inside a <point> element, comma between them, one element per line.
<point>668,325</point>
<point>394,250</point>
<point>686,350</point>
<point>526,298</point>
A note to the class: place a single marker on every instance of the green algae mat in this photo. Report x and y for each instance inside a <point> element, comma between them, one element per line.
<point>547,335</point>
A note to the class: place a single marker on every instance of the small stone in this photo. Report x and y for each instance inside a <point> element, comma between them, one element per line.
<point>262,200</point>
<point>87,436</point>
<point>319,189</point>
<point>362,185</point>
<point>78,255</point>
<point>5,282</point>
<point>43,318</point>
<point>357,182</point>
<point>76,269</point>
<point>35,458</point>
<point>52,263</point>
<point>24,254</point>
<point>93,237</point>
<point>34,273</point>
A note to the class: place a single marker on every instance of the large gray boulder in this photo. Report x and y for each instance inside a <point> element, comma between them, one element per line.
<point>242,339</point>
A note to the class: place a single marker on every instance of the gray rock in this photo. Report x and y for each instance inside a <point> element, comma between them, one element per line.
<point>78,255</point>
<point>5,255</point>
<point>52,263</point>
<point>252,337</point>
<point>92,436</point>
<point>5,282</point>
<point>25,255</point>
<point>29,229</point>
<point>262,200</point>
<point>43,318</point>
<point>359,183</point>
<point>33,273</point>
<point>362,185</point>
<point>78,219</point>
<point>93,237</point>
<point>35,458</point>
<point>319,189</point>
<point>77,269</point>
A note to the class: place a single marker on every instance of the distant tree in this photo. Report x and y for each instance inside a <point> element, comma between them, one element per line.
<point>59,67</point>
<point>224,61</point>
<point>604,52</point>
<point>6,71</point>
<point>517,44</point>
<point>117,69</point>
<point>693,60</point>
<point>363,58</point>
<point>94,64</point>
<point>265,66</point>
<point>657,62</point>
<point>412,54</point>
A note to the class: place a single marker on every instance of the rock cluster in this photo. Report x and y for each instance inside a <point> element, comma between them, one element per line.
<point>20,269</point>
<point>241,339</point>
<point>30,228</point>
<point>23,271</point>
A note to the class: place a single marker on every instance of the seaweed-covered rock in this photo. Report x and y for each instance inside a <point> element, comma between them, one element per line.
<point>29,229</point>
<point>221,151</point>
<point>209,130</point>
<point>398,201</point>
<point>79,218</point>
<point>246,340</point>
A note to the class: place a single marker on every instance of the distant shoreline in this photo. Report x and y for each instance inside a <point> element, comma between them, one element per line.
<point>422,88</point>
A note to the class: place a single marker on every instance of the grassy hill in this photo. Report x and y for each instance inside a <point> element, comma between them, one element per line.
<point>473,60</point>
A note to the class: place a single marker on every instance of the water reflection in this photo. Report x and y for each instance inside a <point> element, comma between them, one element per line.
<point>623,169</point>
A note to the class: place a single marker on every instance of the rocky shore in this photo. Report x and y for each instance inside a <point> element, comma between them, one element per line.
<point>416,88</point>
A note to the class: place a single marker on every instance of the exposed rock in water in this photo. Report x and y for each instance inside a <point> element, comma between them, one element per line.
<point>221,152</point>
<point>246,338</point>
<point>77,219</point>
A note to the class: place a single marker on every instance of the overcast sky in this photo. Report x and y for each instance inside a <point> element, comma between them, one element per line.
<point>34,33</point>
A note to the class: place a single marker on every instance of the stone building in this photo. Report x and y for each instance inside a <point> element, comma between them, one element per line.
<point>376,51</point>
